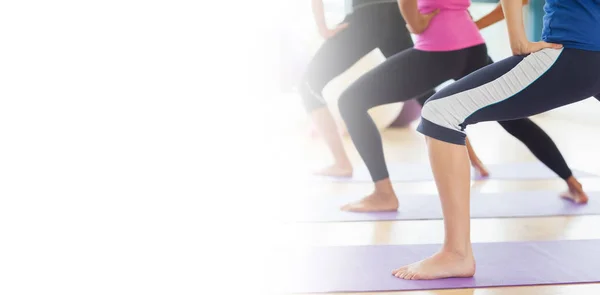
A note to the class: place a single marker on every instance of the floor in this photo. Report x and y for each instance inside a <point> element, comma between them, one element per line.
<point>494,146</point>
<point>573,128</point>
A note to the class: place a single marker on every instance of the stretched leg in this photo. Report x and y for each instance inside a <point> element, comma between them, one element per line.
<point>400,78</point>
<point>543,148</point>
<point>334,57</point>
<point>514,88</point>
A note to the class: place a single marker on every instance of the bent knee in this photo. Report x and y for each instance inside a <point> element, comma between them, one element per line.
<point>349,102</point>
<point>441,123</point>
<point>344,104</point>
<point>438,113</point>
<point>311,99</point>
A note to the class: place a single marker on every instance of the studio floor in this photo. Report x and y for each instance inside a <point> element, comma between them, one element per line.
<point>576,140</point>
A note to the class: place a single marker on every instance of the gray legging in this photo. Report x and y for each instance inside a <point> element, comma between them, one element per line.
<point>369,27</point>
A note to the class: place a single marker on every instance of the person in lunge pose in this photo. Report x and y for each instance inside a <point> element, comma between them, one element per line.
<point>562,69</point>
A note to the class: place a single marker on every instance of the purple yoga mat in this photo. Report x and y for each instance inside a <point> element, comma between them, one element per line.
<point>420,207</point>
<point>368,268</point>
<point>402,172</point>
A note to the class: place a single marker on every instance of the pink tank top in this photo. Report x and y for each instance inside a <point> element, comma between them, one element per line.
<point>451,29</point>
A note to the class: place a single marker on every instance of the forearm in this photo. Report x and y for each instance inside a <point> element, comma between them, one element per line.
<point>493,17</point>
<point>514,21</point>
<point>319,14</point>
<point>410,12</point>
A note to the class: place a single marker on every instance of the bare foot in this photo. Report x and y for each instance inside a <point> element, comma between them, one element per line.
<point>480,170</point>
<point>575,192</point>
<point>441,265</point>
<point>336,170</point>
<point>375,202</point>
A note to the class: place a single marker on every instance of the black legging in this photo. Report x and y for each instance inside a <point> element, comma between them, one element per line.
<point>411,73</point>
<point>369,27</point>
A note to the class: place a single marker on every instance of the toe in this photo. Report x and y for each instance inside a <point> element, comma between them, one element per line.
<point>352,208</point>
<point>349,207</point>
<point>400,269</point>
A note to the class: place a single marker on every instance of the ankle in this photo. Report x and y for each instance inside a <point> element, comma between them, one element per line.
<point>461,250</point>
<point>344,165</point>
<point>384,187</point>
<point>343,162</point>
<point>573,184</point>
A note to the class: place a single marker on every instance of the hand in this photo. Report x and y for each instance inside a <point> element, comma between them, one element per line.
<point>327,33</point>
<point>423,22</point>
<point>530,47</point>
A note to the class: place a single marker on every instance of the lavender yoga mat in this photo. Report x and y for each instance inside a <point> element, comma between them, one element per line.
<point>401,172</point>
<point>368,268</point>
<point>420,207</point>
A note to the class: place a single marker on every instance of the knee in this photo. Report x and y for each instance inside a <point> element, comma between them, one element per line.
<point>437,113</point>
<point>312,97</point>
<point>442,123</point>
<point>347,104</point>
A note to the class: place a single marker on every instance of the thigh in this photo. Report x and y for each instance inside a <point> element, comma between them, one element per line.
<point>395,37</point>
<point>515,88</point>
<point>395,43</point>
<point>404,76</point>
<point>339,53</point>
<point>543,81</point>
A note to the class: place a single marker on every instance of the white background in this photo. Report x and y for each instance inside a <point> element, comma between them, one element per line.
<point>119,171</point>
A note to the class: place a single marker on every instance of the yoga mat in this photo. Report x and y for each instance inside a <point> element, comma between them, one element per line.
<point>368,268</point>
<point>404,172</point>
<point>422,207</point>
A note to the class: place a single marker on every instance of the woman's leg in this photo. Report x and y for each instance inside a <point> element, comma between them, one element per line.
<point>476,163</point>
<point>543,148</point>
<point>514,88</point>
<point>476,63</point>
<point>334,57</point>
<point>402,77</point>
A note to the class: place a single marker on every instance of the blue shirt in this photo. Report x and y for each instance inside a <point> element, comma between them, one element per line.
<point>573,23</point>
